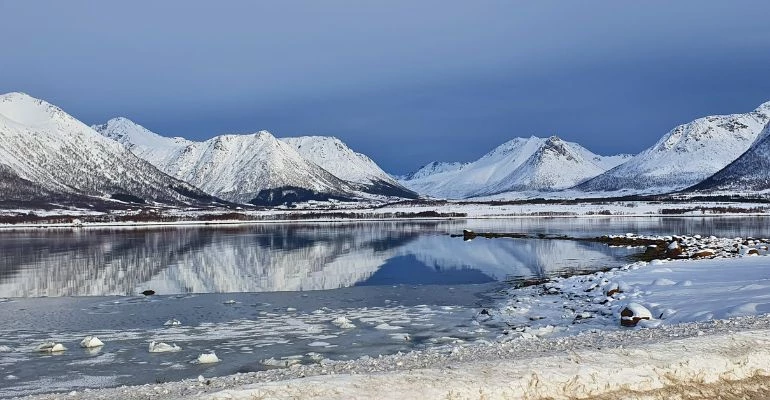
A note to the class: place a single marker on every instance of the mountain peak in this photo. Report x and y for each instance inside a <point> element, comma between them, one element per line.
<point>333,155</point>
<point>686,155</point>
<point>764,107</point>
<point>553,139</point>
<point>128,132</point>
<point>27,110</point>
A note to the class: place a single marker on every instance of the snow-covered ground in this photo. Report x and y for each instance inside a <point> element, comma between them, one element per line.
<point>340,211</point>
<point>708,335</point>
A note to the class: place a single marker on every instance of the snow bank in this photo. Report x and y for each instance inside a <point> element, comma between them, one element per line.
<point>662,292</point>
<point>634,372</point>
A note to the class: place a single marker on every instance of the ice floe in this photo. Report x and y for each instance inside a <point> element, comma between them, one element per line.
<point>208,358</point>
<point>343,323</point>
<point>161,347</point>
<point>91,342</point>
<point>51,347</point>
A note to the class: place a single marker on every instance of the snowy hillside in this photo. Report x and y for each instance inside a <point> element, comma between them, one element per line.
<point>255,168</point>
<point>749,173</point>
<point>522,164</point>
<point>555,165</point>
<point>686,155</point>
<point>436,167</point>
<point>357,169</point>
<point>47,155</point>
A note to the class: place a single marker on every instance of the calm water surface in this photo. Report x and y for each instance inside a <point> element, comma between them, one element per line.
<point>257,292</point>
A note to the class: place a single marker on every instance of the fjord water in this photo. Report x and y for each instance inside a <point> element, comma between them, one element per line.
<point>256,292</point>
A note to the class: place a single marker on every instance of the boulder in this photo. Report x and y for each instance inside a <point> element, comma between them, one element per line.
<point>611,289</point>
<point>632,313</point>
<point>673,250</point>
<point>704,253</point>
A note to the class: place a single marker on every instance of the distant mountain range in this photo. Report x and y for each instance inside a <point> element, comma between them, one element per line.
<point>259,168</point>
<point>49,157</point>
<point>686,155</point>
<point>521,165</point>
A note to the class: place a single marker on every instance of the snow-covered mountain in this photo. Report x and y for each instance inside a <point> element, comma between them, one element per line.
<point>255,168</point>
<point>521,164</point>
<point>435,167</point>
<point>355,168</point>
<point>555,165</point>
<point>686,155</point>
<point>748,173</point>
<point>47,155</point>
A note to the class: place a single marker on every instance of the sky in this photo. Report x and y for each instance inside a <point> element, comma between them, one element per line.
<point>405,82</point>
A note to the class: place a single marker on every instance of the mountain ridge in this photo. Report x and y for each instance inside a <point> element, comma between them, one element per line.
<point>254,168</point>
<point>500,170</point>
<point>47,152</point>
<point>685,155</point>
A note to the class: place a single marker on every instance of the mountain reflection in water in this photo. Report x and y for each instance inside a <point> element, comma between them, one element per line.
<point>292,257</point>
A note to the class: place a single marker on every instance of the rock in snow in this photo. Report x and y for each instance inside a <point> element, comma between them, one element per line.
<point>632,313</point>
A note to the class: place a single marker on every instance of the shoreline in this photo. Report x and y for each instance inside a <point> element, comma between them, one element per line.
<point>688,356</point>
<point>150,224</point>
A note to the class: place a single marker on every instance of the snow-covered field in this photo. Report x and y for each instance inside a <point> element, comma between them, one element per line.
<point>704,332</point>
<point>340,211</point>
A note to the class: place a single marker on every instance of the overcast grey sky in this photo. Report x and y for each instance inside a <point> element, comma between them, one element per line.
<point>406,82</point>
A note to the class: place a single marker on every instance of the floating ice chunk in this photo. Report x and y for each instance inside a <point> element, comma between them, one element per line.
<point>160,347</point>
<point>172,322</point>
<point>91,342</point>
<point>743,310</point>
<point>387,327</point>
<point>663,282</point>
<point>685,283</point>
<point>208,358</point>
<point>5,349</point>
<point>51,347</point>
<point>319,344</point>
<point>231,301</point>
<point>343,323</point>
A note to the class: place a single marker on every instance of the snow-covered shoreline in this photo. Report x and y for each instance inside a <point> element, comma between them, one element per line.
<point>709,330</point>
<point>448,211</point>
<point>635,363</point>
